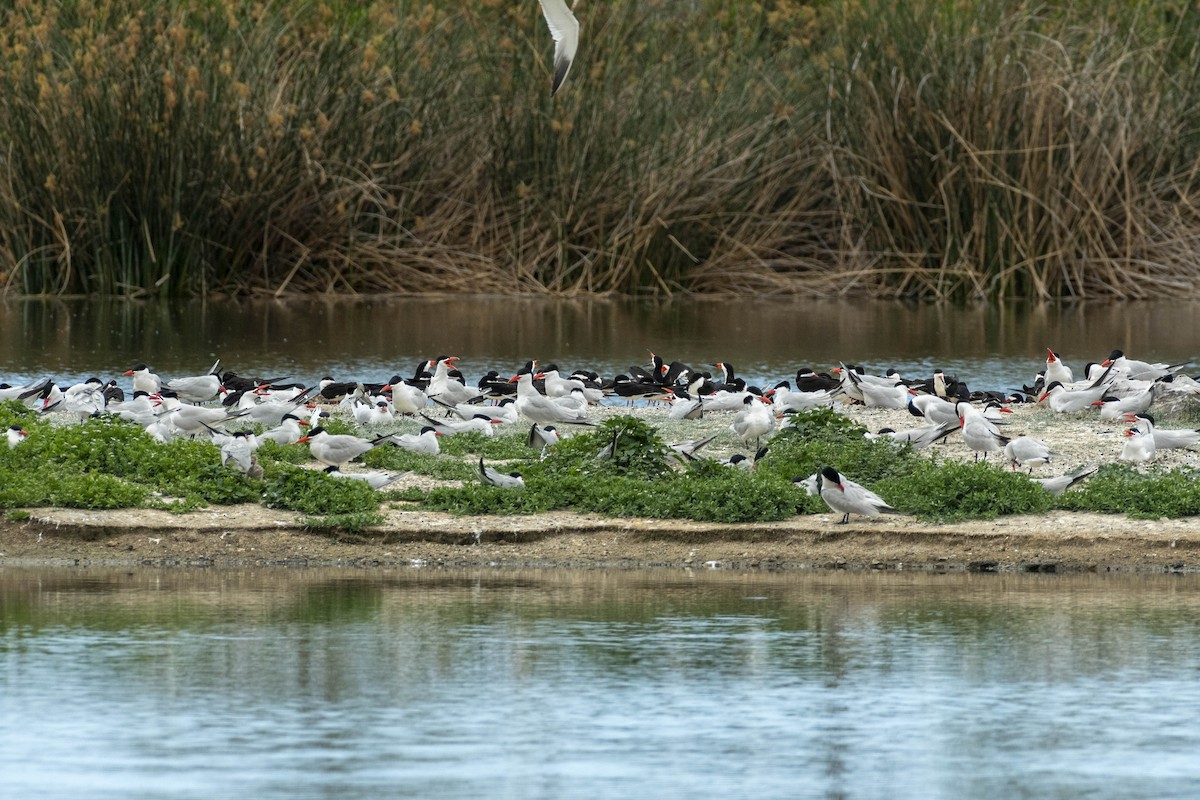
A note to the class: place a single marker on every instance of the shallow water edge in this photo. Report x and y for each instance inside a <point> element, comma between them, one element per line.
<point>249,536</point>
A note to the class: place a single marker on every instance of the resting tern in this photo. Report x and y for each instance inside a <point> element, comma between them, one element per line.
<point>493,477</point>
<point>1139,370</point>
<point>740,461</point>
<point>847,497</point>
<point>480,423</point>
<point>919,438</point>
<point>1139,445</point>
<point>335,449</point>
<point>1059,484</point>
<point>376,479</point>
<point>288,431</point>
<point>424,442</point>
<point>16,435</point>
<point>542,437</point>
<point>681,452</point>
<point>1164,438</point>
<point>1068,401</point>
<point>445,388</point>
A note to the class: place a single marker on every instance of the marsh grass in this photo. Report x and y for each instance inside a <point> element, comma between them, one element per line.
<point>919,149</point>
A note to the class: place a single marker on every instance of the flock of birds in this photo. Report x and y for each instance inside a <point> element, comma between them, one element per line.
<point>437,393</point>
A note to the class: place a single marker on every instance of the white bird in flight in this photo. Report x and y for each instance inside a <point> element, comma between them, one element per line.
<point>565,30</point>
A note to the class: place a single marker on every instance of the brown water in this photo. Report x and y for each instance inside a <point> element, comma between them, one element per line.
<point>992,347</point>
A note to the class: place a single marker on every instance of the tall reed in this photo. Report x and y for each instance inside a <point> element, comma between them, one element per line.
<point>929,148</point>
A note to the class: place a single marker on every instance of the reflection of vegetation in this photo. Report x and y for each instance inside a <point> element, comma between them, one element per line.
<point>915,148</point>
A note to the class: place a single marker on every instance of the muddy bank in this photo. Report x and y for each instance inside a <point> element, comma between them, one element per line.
<point>253,536</point>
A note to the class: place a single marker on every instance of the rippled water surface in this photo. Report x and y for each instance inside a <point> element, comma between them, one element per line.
<point>429,684</point>
<point>765,340</point>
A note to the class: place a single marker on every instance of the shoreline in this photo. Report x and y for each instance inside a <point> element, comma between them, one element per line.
<point>249,536</point>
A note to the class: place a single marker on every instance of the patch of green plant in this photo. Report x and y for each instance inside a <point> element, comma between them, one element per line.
<point>823,438</point>
<point>955,490</point>
<point>1121,489</point>
<point>224,486</point>
<point>620,446</point>
<point>16,515</point>
<point>353,522</point>
<point>397,459</point>
<point>507,446</point>
<point>707,492</point>
<point>13,412</point>
<point>314,492</point>
<point>270,452</point>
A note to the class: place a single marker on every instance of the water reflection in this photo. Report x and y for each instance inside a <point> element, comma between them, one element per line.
<point>550,683</point>
<point>371,339</point>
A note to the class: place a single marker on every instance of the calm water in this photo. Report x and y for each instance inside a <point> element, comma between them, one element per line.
<point>424,684</point>
<point>766,341</point>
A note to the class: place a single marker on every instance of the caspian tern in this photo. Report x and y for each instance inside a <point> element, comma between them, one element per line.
<point>1067,401</point>
<point>197,388</point>
<point>445,387</point>
<point>16,435</point>
<point>237,451</point>
<point>1166,438</point>
<point>740,461</point>
<point>493,477</point>
<point>1027,451</point>
<point>919,438</point>
<point>542,437</point>
<point>376,479</point>
<point>1139,445</point>
<point>564,28</point>
<point>480,423</point>
<point>979,434</point>
<point>1059,484</point>
<point>1139,370</point>
<point>335,449</point>
<point>754,421</point>
<point>144,380</point>
<point>1112,407</point>
<point>846,497</point>
<point>786,399</point>
<point>289,431</point>
<point>536,407</point>
<point>682,452</point>
<point>193,419</point>
<point>85,399</point>
<point>933,408</point>
<point>425,442</point>
<point>1056,370</point>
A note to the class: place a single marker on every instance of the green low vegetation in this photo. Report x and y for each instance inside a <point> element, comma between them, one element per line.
<point>926,148</point>
<point>617,469</point>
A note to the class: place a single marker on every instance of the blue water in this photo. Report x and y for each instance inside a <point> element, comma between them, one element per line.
<point>551,684</point>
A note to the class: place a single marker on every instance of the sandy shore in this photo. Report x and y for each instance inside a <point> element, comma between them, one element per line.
<point>253,535</point>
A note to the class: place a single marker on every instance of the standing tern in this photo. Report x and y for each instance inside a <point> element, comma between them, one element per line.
<point>847,497</point>
<point>1027,451</point>
<point>536,407</point>
<point>978,432</point>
